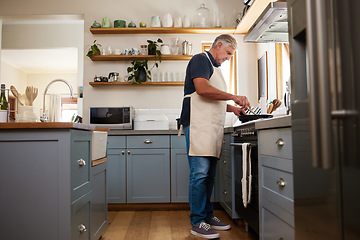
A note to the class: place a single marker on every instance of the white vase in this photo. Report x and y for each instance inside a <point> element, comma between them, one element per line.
<point>167,20</point>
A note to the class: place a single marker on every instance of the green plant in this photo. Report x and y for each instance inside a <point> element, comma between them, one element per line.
<point>152,47</point>
<point>135,71</point>
<point>94,49</point>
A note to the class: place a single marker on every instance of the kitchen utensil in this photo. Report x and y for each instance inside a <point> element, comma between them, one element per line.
<point>246,118</point>
<point>17,95</point>
<point>31,94</point>
<point>113,77</point>
<point>276,103</point>
<point>252,111</point>
<point>186,48</point>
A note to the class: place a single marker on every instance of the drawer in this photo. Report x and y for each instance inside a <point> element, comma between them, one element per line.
<point>116,142</point>
<point>80,218</point>
<point>273,227</point>
<point>226,191</point>
<point>148,141</point>
<point>276,142</point>
<point>225,162</point>
<point>278,180</point>
<point>80,165</point>
<point>178,142</point>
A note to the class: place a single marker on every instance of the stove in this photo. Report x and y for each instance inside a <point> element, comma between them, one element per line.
<point>246,133</point>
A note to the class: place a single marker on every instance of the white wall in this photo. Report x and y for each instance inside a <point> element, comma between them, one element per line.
<point>11,75</point>
<point>141,97</point>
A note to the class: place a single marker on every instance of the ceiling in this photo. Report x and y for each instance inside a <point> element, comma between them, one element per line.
<point>42,60</point>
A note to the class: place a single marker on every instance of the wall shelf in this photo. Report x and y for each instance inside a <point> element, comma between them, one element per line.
<point>103,84</point>
<point>255,10</point>
<point>140,57</point>
<point>162,30</point>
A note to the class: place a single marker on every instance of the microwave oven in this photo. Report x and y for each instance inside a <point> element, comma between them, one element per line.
<point>112,117</point>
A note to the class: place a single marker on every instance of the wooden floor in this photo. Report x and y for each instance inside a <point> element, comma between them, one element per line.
<point>164,225</point>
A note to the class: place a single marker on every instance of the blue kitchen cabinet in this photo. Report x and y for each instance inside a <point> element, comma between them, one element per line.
<point>226,177</point>
<point>179,170</point>
<point>116,174</point>
<point>45,177</point>
<point>148,169</point>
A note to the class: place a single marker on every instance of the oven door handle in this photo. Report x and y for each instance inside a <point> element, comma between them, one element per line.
<point>240,144</point>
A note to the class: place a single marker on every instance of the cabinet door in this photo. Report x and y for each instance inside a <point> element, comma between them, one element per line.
<point>99,210</point>
<point>80,218</point>
<point>179,176</point>
<point>116,175</point>
<point>148,175</point>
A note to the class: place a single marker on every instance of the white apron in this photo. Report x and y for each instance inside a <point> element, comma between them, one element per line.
<point>207,118</point>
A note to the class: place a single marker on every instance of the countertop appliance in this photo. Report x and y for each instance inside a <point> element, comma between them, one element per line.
<point>246,133</point>
<point>325,103</point>
<point>112,117</point>
<point>151,122</point>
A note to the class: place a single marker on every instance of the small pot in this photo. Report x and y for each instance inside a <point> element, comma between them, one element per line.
<point>142,74</point>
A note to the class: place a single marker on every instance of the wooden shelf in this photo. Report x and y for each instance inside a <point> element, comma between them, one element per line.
<point>255,10</point>
<point>140,57</point>
<point>162,30</point>
<point>102,84</point>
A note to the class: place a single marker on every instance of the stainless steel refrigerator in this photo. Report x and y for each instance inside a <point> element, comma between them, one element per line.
<point>324,39</point>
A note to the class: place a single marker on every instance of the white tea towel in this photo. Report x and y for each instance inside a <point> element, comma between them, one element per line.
<point>246,191</point>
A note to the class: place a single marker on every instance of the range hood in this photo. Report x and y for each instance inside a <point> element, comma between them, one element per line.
<point>271,26</point>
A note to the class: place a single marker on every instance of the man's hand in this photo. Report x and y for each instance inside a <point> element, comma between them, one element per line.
<point>242,101</point>
<point>236,110</point>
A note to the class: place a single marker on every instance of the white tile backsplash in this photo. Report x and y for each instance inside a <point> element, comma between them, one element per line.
<point>172,115</point>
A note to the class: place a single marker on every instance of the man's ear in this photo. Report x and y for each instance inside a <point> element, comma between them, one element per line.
<point>219,44</point>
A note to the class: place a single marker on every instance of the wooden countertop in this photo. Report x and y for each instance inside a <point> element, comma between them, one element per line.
<point>45,125</point>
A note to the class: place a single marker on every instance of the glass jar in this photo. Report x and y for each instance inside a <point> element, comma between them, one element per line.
<point>202,17</point>
<point>143,50</point>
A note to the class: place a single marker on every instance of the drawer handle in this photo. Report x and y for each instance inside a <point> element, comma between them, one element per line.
<point>147,141</point>
<point>280,142</point>
<point>122,152</point>
<point>82,228</point>
<point>81,162</point>
<point>225,162</point>
<point>225,192</point>
<point>128,152</point>
<point>281,182</point>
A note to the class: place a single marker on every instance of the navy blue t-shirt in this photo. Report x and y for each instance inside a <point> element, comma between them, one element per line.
<point>199,66</point>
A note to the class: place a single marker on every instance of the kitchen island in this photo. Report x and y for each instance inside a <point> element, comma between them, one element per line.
<point>46,181</point>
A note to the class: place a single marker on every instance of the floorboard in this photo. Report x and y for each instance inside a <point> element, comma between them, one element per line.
<point>165,225</point>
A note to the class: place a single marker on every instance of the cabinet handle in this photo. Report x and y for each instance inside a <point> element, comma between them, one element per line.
<point>280,142</point>
<point>281,182</point>
<point>81,162</point>
<point>147,141</point>
<point>122,152</point>
<point>225,192</point>
<point>225,161</point>
<point>128,152</point>
<point>82,228</point>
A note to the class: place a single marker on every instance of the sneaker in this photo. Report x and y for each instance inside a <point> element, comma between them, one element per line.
<point>204,230</point>
<point>215,223</point>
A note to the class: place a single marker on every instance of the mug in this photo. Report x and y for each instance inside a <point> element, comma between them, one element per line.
<point>127,52</point>
<point>117,51</point>
<point>155,21</point>
<point>106,22</point>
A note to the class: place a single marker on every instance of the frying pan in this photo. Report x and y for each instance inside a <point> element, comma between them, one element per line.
<point>251,117</point>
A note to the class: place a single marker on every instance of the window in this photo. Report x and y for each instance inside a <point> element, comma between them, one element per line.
<point>68,109</point>
<point>228,69</point>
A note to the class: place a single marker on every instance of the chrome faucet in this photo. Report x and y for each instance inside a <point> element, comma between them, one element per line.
<point>44,117</point>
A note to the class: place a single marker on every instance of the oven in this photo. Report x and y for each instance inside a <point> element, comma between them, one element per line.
<point>246,133</point>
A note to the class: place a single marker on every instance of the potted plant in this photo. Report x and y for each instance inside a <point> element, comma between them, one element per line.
<point>140,72</point>
<point>94,49</point>
<point>152,48</point>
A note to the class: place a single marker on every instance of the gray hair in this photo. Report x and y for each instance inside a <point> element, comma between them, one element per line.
<point>226,40</point>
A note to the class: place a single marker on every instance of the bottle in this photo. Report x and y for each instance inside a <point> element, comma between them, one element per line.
<point>3,101</point>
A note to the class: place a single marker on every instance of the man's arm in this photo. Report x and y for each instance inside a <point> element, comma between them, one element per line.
<point>203,88</point>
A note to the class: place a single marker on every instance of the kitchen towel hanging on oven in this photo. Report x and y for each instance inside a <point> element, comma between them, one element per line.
<point>247,177</point>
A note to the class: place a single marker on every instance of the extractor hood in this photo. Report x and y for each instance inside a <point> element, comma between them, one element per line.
<point>271,26</point>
